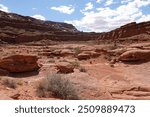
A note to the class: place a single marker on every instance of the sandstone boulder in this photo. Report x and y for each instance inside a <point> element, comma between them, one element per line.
<point>135,55</point>
<point>19,63</point>
<point>66,52</point>
<point>87,55</point>
<point>65,67</point>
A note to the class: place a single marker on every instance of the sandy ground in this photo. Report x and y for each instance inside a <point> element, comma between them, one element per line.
<point>101,80</point>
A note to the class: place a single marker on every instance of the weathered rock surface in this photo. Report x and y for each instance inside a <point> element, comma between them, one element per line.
<point>3,72</point>
<point>87,55</point>
<point>16,29</point>
<point>66,52</point>
<point>65,67</point>
<point>127,30</point>
<point>19,63</point>
<point>135,55</point>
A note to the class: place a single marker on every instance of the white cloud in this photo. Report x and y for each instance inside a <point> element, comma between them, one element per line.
<point>3,8</point>
<point>40,17</point>
<point>34,8</point>
<point>106,19</point>
<point>88,6</point>
<point>125,1</point>
<point>109,2</point>
<point>99,1</point>
<point>144,18</point>
<point>64,9</point>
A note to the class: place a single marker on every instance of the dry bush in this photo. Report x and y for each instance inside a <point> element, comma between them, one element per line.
<point>19,83</point>
<point>77,50</point>
<point>55,85</point>
<point>82,69</point>
<point>108,57</point>
<point>75,64</point>
<point>10,83</point>
<point>51,61</point>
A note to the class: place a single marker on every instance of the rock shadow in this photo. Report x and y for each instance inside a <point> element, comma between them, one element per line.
<point>24,74</point>
<point>134,62</point>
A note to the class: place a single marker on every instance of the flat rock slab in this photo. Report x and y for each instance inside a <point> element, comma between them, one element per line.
<point>135,55</point>
<point>19,63</point>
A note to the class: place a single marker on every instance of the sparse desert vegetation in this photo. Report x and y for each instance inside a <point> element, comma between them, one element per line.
<point>57,86</point>
<point>82,69</point>
<point>9,83</point>
<point>52,60</point>
<point>77,50</point>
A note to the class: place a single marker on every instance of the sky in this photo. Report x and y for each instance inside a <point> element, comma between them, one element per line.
<point>85,15</point>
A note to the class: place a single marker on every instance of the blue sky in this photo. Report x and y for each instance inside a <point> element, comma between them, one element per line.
<point>86,15</point>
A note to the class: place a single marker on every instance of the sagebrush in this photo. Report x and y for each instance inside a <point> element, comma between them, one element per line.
<point>58,87</point>
<point>10,83</point>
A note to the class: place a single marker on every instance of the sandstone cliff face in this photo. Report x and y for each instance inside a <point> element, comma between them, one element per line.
<point>15,28</point>
<point>127,30</point>
<point>26,22</point>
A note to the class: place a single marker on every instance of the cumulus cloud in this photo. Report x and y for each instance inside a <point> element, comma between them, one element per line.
<point>3,8</point>
<point>107,18</point>
<point>40,17</point>
<point>125,1</point>
<point>109,2</point>
<point>64,9</point>
<point>144,18</point>
<point>99,1</point>
<point>88,6</point>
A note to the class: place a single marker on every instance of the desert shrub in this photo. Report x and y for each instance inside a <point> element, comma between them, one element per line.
<point>58,87</point>
<point>10,83</point>
<point>82,69</point>
<point>19,83</point>
<point>51,61</point>
<point>77,50</point>
<point>41,89</point>
<point>108,57</point>
<point>75,63</point>
<point>63,60</point>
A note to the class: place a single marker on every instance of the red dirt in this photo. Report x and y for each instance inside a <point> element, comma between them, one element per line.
<point>102,80</point>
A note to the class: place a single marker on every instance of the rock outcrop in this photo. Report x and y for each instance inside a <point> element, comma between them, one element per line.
<point>127,30</point>
<point>87,55</point>
<point>15,28</point>
<point>19,63</point>
<point>65,67</point>
<point>135,55</point>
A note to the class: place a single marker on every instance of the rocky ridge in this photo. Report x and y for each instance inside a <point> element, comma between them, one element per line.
<point>128,30</point>
<point>16,28</point>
